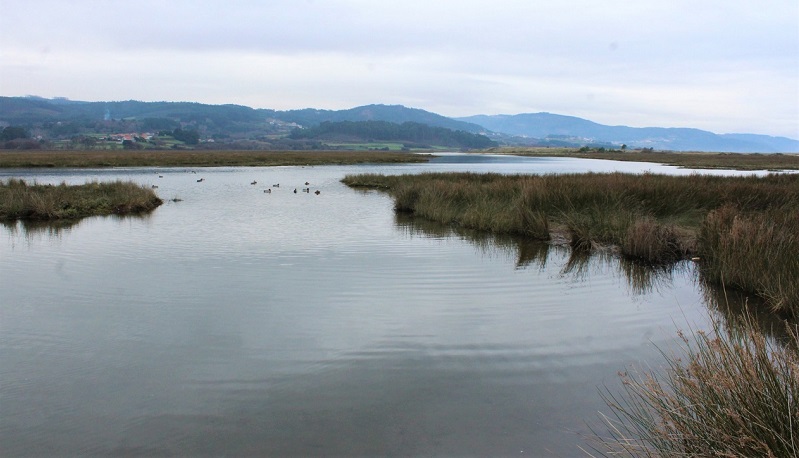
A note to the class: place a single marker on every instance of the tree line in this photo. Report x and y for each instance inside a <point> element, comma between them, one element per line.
<point>411,132</point>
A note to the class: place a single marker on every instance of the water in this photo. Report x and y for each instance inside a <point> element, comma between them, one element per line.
<point>239,323</point>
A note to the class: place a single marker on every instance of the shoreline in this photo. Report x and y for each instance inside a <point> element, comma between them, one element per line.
<point>223,158</point>
<point>194,158</point>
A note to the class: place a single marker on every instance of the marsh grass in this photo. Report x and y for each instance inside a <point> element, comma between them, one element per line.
<point>754,251</point>
<point>730,393</point>
<point>694,160</point>
<point>115,158</point>
<point>19,200</point>
<point>744,229</point>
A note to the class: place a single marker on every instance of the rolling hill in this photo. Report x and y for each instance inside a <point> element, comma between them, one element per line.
<point>543,126</point>
<point>62,118</point>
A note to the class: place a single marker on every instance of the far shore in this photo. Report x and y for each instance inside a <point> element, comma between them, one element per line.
<point>223,158</point>
<point>687,159</point>
<point>195,158</point>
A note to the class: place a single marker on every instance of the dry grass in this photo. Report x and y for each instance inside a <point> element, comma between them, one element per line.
<point>18,200</point>
<point>755,251</point>
<point>732,393</point>
<point>693,160</point>
<point>116,158</point>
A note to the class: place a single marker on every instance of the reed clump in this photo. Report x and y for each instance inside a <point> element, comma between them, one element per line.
<point>20,200</point>
<point>731,393</point>
<point>744,229</point>
<point>755,251</point>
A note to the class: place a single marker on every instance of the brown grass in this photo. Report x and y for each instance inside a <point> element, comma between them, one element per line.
<point>19,200</point>
<point>732,393</point>
<point>694,160</point>
<point>117,158</point>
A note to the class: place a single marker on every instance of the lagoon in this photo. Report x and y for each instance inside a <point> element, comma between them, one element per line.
<point>237,322</point>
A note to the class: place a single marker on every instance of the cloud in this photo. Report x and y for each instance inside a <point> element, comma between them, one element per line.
<point>712,62</point>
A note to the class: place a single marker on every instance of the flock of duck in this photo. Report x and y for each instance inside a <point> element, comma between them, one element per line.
<point>277,185</point>
<point>267,190</point>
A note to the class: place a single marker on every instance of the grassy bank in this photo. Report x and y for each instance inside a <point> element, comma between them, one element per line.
<point>694,160</point>
<point>732,393</point>
<point>744,229</point>
<point>19,200</point>
<point>116,158</point>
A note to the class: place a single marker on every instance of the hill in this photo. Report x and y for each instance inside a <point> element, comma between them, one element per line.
<point>547,127</point>
<point>397,114</point>
<point>240,127</point>
<point>413,134</point>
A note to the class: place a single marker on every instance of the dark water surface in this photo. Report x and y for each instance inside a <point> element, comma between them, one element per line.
<point>240,323</point>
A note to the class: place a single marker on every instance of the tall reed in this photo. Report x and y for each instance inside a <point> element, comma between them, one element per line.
<point>754,251</point>
<point>731,393</point>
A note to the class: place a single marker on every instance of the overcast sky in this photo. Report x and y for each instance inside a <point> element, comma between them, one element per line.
<point>724,66</point>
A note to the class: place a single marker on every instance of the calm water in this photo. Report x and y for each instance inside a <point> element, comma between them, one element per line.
<point>240,323</point>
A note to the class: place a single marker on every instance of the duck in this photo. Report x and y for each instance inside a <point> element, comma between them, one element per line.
<point>295,190</point>
<point>268,191</point>
<point>155,187</point>
<point>276,185</point>
<point>200,180</point>
<point>254,182</point>
<point>317,192</point>
<point>306,183</point>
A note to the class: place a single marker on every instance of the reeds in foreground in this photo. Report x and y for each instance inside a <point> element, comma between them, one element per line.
<point>19,200</point>
<point>732,393</point>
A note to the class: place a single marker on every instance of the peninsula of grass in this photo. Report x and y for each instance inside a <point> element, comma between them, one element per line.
<point>745,230</point>
<point>196,158</point>
<point>19,200</point>
<point>693,160</point>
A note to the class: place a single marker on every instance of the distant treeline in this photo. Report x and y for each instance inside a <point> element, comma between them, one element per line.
<point>408,132</point>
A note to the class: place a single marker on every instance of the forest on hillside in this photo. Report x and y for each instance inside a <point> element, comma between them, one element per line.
<point>412,133</point>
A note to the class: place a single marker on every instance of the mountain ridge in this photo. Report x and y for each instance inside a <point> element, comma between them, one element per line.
<point>241,122</point>
<point>547,125</point>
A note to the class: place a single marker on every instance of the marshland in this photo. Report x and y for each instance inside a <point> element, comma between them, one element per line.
<point>743,230</point>
<point>21,200</point>
<point>194,158</point>
<point>232,321</point>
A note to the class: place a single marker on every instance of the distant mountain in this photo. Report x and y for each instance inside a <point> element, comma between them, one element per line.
<point>28,110</point>
<point>233,125</point>
<point>62,118</point>
<point>570,129</point>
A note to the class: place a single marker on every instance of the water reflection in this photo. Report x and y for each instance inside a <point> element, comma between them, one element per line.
<point>725,305</point>
<point>31,229</point>
<point>641,278</point>
<point>48,228</point>
<point>729,306</point>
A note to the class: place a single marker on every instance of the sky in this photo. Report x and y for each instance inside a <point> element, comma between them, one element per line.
<point>723,66</point>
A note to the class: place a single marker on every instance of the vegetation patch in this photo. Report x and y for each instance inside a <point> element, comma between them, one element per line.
<point>19,200</point>
<point>744,230</point>
<point>694,160</point>
<point>730,393</point>
<point>195,158</point>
